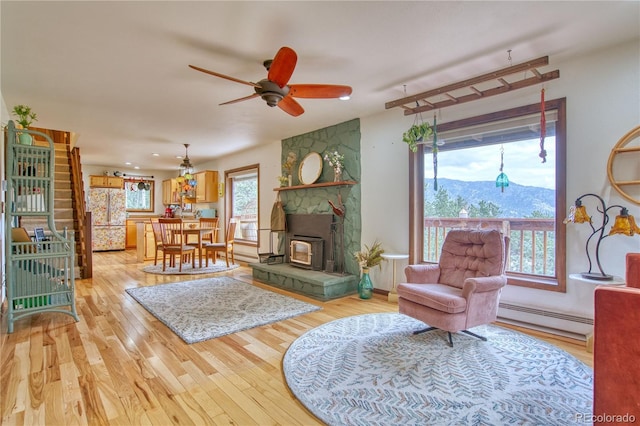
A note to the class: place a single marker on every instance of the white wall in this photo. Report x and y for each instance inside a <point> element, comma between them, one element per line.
<point>603,103</point>
<point>268,157</point>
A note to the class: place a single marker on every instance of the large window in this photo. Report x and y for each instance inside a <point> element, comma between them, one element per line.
<point>529,210</point>
<point>242,202</point>
<point>139,195</point>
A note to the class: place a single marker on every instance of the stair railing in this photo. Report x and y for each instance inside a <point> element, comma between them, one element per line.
<point>84,238</point>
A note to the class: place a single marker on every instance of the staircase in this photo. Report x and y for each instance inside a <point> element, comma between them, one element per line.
<point>69,208</point>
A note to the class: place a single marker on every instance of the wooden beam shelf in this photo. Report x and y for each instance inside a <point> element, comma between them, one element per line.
<point>412,104</point>
<point>316,185</point>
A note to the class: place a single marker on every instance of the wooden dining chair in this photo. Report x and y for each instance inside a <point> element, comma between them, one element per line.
<point>157,236</point>
<point>210,223</point>
<point>174,244</point>
<point>226,246</point>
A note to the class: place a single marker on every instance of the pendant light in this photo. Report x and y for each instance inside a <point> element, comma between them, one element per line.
<point>186,168</point>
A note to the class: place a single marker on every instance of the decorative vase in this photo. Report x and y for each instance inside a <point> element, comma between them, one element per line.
<point>365,286</point>
<point>25,139</point>
<point>337,175</point>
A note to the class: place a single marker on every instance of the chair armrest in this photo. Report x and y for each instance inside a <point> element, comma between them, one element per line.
<point>483,284</point>
<point>419,274</point>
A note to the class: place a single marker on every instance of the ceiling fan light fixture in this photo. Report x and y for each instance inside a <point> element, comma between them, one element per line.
<point>271,98</point>
<point>275,87</point>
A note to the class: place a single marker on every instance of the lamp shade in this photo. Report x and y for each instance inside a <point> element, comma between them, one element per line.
<point>625,224</point>
<point>580,215</point>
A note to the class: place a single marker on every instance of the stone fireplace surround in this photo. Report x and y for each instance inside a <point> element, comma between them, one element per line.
<point>344,138</point>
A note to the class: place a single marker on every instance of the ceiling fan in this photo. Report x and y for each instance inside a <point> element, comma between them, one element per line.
<point>275,90</point>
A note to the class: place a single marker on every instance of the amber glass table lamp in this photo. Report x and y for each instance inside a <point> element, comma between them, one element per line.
<point>624,224</point>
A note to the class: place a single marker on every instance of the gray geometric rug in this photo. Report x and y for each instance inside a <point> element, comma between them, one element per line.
<point>219,266</point>
<point>204,309</point>
<point>371,370</point>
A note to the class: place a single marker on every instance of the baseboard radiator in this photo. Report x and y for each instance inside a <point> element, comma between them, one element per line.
<point>552,322</point>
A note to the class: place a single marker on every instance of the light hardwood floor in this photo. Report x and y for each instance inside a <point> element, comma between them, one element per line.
<point>120,366</point>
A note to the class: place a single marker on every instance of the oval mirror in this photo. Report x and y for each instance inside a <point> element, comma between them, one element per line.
<point>310,168</point>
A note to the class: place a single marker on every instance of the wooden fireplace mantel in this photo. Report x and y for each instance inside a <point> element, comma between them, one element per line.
<point>316,185</point>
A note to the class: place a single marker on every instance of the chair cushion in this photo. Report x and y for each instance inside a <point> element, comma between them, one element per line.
<point>177,249</point>
<point>440,297</point>
<point>470,254</point>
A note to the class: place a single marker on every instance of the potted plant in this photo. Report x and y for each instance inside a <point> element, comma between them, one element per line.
<point>415,134</point>
<point>368,258</point>
<point>25,118</point>
<point>335,160</point>
<point>288,166</point>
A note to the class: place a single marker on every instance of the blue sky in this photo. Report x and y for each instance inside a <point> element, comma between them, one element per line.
<point>521,163</point>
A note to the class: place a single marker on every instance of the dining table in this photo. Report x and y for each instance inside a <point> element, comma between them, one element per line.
<point>201,233</point>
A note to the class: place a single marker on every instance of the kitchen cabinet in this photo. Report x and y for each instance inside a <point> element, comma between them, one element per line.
<point>170,192</point>
<point>146,243</point>
<point>106,182</point>
<point>132,234</point>
<point>206,187</point>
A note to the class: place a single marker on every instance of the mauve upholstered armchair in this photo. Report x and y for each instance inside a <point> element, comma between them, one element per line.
<point>461,291</point>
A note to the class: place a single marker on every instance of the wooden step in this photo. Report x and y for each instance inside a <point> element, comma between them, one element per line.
<point>62,203</point>
<point>62,168</point>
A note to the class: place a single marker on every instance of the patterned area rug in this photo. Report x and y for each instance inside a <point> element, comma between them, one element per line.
<point>219,266</point>
<point>204,309</point>
<point>370,369</point>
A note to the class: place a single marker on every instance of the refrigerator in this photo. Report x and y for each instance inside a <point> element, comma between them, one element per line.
<point>108,216</point>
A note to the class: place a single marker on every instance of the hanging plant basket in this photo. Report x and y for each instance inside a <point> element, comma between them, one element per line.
<point>416,133</point>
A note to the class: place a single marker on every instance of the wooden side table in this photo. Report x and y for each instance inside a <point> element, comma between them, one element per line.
<point>393,293</point>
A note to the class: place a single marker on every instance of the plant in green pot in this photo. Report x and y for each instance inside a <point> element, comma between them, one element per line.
<point>25,118</point>
<point>368,258</point>
<point>416,133</point>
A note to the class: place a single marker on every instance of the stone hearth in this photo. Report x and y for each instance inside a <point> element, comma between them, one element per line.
<point>316,284</point>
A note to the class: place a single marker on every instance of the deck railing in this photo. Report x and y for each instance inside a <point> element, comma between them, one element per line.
<point>532,246</point>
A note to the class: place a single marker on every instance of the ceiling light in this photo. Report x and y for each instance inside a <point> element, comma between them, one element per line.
<point>128,163</point>
<point>186,168</point>
<point>344,98</point>
<point>155,154</point>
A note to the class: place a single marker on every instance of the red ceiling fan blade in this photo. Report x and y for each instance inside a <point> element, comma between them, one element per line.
<point>282,67</point>
<point>248,83</point>
<point>246,98</point>
<point>322,91</point>
<point>290,106</point>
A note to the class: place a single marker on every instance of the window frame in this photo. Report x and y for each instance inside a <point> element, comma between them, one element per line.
<point>228,179</point>
<point>416,192</point>
<point>151,207</point>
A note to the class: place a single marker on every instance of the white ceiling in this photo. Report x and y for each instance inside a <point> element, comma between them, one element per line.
<point>116,72</point>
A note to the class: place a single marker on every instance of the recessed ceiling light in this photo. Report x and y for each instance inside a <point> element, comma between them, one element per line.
<point>179,157</point>
<point>137,167</point>
<point>344,98</point>
<point>128,163</point>
<point>155,154</point>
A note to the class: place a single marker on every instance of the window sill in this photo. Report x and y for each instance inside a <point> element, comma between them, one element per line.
<point>539,283</point>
